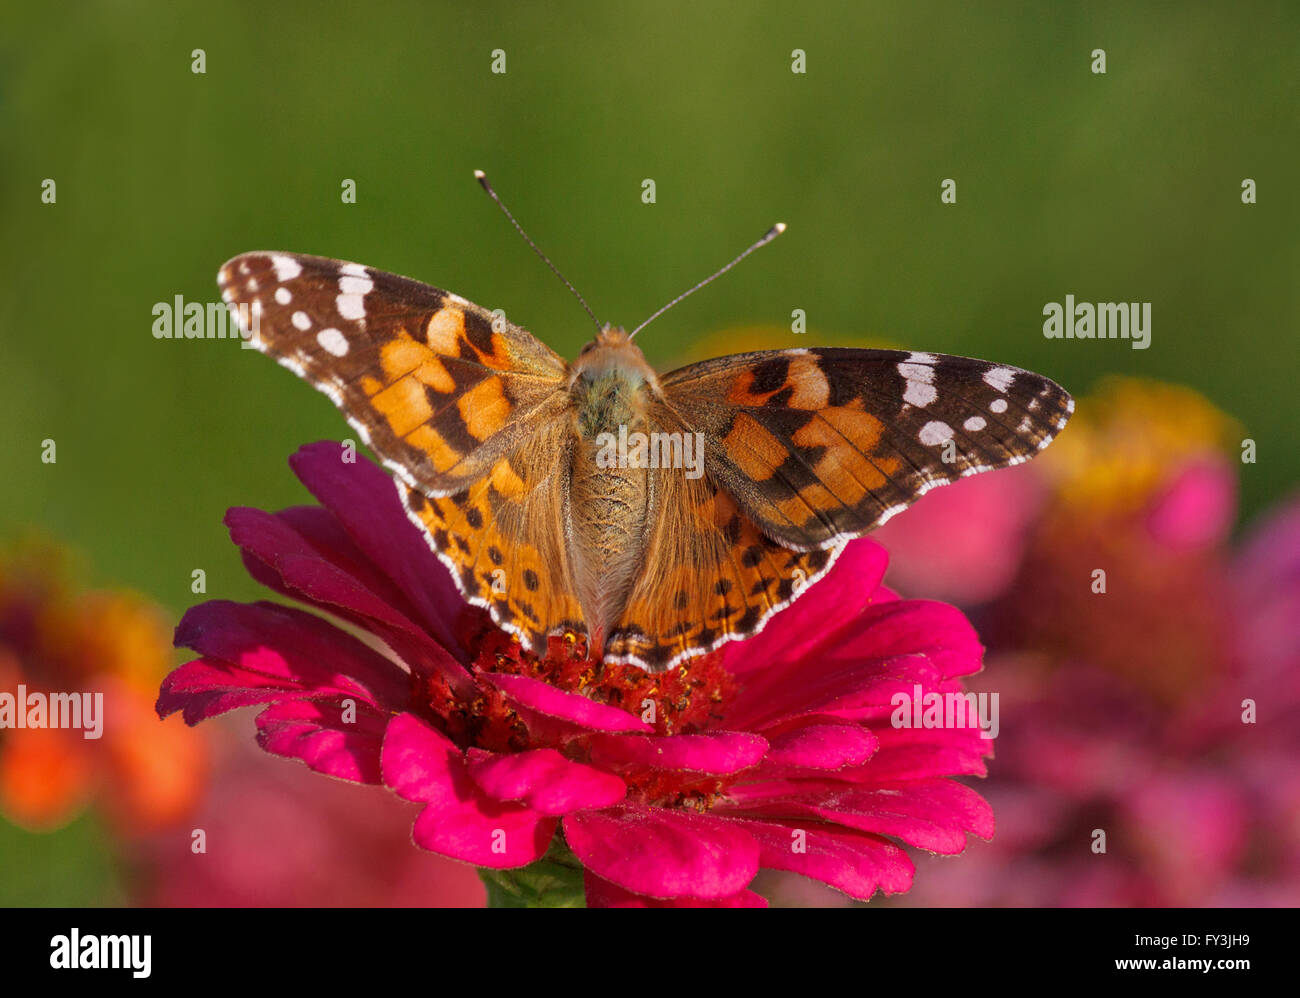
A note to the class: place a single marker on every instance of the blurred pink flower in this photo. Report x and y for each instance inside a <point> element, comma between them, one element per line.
<point>777,752</point>
<point>280,837</point>
<point>1266,589</point>
<point>963,543</point>
<point>1123,710</point>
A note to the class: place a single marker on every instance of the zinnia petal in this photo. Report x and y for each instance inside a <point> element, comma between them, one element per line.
<point>544,780</point>
<point>662,853</point>
<point>365,501</point>
<point>823,746</point>
<point>856,863</point>
<point>318,733</point>
<point>602,894</point>
<point>720,752</point>
<point>556,703</point>
<point>422,764</point>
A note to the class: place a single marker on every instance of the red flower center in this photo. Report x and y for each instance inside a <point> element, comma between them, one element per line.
<point>685,700</point>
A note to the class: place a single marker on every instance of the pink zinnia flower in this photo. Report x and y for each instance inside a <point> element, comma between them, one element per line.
<point>1164,712</point>
<point>671,789</point>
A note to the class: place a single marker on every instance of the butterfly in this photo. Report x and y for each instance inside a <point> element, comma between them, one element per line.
<point>744,478</point>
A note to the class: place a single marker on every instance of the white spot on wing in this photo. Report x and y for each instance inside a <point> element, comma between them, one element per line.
<point>301,321</point>
<point>286,267</point>
<point>356,285</point>
<point>332,341</point>
<point>920,389</point>
<point>920,394</point>
<point>998,405</point>
<point>999,378</point>
<point>283,296</point>
<point>934,433</point>
<point>351,306</point>
<point>354,270</point>
<point>974,424</point>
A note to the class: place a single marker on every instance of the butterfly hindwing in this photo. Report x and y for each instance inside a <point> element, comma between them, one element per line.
<point>820,446</point>
<point>713,574</point>
<point>504,541</point>
<point>439,388</point>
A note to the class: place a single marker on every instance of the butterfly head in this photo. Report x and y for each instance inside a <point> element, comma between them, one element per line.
<point>609,336</point>
<point>609,374</point>
<point>612,351</point>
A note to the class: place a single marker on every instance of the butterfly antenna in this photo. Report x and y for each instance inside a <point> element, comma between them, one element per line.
<point>481,177</point>
<point>771,234</point>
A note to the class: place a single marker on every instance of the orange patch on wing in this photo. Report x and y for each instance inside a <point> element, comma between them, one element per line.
<point>802,508</point>
<point>429,441</point>
<point>445,330</point>
<point>484,408</point>
<point>753,449</point>
<point>847,473</point>
<point>434,374</point>
<point>400,356</point>
<point>500,357</point>
<point>506,481</point>
<point>861,429</point>
<point>740,392</point>
<point>519,581</point>
<point>811,389</point>
<point>404,405</point>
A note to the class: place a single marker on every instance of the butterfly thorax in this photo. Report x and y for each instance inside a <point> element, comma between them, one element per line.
<point>609,496</point>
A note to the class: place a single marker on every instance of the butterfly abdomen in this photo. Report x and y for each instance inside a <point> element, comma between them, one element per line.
<point>609,495</point>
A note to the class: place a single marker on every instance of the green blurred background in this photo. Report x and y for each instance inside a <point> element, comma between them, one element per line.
<point>1123,186</point>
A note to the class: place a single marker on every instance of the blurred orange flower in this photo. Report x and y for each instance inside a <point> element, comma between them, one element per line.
<point>114,646</point>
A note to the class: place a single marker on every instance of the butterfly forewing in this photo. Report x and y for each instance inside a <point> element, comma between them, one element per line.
<point>820,446</point>
<point>440,388</point>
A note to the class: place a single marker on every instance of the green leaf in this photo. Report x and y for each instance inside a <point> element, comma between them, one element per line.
<point>554,881</point>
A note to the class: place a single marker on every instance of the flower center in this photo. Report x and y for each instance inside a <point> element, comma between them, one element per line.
<point>686,700</point>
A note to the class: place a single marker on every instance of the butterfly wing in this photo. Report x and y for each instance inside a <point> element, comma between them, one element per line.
<point>437,390</point>
<point>504,540</point>
<point>821,446</point>
<point>805,450</point>
<point>709,574</point>
<point>466,410</point>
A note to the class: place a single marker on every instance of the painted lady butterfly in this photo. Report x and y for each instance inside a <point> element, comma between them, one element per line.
<point>493,441</point>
